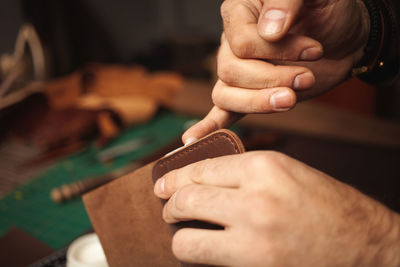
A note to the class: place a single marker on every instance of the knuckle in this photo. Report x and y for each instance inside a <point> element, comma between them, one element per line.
<point>281,55</point>
<point>263,161</point>
<point>226,72</point>
<point>275,158</point>
<point>186,198</point>
<point>242,46</point>
<point>164,211</point>
<point>184,247</point>
<point>269,82</point>
<point>256,161</point>
<point>277,76</point>
<point>170,182</point>
<point>272,158</point>
<point>166,216</point>
<point>199,169</point>
<point>280,51</point>
<point>217,96</point>
<point>179,245</point>
<point>225,9</point>
<point>260,104</point>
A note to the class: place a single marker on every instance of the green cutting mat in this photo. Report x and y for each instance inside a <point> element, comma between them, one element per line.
<point>30,208</point>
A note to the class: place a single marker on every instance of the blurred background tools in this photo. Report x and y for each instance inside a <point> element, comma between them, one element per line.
<point>113,152</point>
<point>70,191</point>
<point>93,105</point>
<point>26,64</point>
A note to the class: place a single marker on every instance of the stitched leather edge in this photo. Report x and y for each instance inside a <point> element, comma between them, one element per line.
<point>211,138</point>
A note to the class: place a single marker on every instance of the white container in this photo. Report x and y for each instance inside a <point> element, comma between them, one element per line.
<point>86,251</point>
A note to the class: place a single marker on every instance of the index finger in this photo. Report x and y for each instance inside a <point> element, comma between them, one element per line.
<point>216,119</point>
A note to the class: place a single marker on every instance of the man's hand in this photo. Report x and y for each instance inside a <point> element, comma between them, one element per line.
<point>275,216</point>
<point>275,52</point>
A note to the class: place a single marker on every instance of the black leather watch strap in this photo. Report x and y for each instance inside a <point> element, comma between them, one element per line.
<point>381,62</point>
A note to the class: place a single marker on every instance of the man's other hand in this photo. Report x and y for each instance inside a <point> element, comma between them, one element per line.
<point>275,211</point>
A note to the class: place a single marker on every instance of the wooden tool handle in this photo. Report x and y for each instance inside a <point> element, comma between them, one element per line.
<point>76,189</point>
<point>70,191</point>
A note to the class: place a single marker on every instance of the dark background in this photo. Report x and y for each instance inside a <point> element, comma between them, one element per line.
<point>160,34</point>
<point>77,32</point>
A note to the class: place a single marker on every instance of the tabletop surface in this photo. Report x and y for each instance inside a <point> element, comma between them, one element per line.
<point>30,208</point>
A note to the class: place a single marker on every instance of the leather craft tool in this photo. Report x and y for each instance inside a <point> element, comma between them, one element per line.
<point>70,191</point>
<point>122,149</point>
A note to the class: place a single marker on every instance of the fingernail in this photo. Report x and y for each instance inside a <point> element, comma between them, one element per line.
<point>312,53</point>
<point>281,101</point>
<point>190,140</point>
<point>274,20</point>
<point>160,186</point>
<point>303,81</point>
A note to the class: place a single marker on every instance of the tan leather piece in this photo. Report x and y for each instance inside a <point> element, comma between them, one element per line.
<point>127,216</point>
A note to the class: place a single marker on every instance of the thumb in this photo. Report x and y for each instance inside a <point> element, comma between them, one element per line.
<point>276,18</point>
<point>216,119</point>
